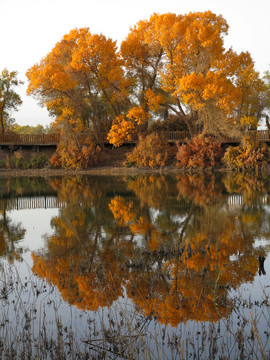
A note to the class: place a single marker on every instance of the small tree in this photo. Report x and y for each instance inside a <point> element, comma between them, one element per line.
<point>9,99</point>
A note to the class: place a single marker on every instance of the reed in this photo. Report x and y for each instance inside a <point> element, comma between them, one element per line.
<point>35,323</point>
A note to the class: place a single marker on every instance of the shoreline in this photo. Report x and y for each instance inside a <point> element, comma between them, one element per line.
<point>112,171</point>
<point>108,170</point>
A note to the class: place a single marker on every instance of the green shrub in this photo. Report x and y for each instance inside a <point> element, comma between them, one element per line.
<point>2,164</point>
<point>39,161</point>
<point>19,163</point>
<point>199,153</point>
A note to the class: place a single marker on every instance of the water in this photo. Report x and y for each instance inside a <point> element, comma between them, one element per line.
<point>145,267</point>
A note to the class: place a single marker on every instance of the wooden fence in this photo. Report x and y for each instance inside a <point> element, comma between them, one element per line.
<point>171,136</point>
<point>25,139</point>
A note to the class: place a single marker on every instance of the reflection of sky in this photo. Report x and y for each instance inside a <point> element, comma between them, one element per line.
<point>37,224</point>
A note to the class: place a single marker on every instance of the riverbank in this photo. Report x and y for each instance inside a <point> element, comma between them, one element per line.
<point>112,163</point>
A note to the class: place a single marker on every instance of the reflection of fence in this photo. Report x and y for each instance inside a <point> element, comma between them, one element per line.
<point>52,202</point>
<point>21,203</point>
<point>171,136</point>
<point>238,200</point>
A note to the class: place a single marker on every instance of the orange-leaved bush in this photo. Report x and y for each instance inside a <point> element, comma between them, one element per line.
<point>151,151</point>
<point>199,153</point>
<point>75,154</point>
<point>250,156</point>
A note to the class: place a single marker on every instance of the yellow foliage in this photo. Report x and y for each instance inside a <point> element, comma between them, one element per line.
<point>249,120</point>
<point>138,115</point>
<point>120,131</point>
<point>153,100</point>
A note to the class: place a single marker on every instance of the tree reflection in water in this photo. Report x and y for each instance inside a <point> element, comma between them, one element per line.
<point>174,246</point>
<point>10,235</point>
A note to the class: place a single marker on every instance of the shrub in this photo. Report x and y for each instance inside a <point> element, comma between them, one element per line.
<point>199,153</point>
<point>151,151</point>
<point>249,157</point>
<point>38,161</point>
<point>3,164</point>
<point>75,155</point>
<point>19,163</point>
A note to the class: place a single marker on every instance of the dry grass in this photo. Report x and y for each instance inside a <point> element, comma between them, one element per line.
<point>36,324</point>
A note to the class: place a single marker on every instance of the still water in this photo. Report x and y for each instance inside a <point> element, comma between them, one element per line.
<point>145,267</point>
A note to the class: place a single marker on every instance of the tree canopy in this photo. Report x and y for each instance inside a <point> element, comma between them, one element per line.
<point>167,65</point>
<point>9,99</point>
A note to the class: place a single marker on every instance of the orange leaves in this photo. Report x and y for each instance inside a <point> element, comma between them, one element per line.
<point>138,115</point>
<point>249,120</point>
<point>74,153</point>
<point>124,127</point>
<point>125,215</point>
<point>84,74</point>
<point>251,157</point>
<point>151,151</point>
<point>200,153</point>
<point>121,130</point>
<point>153,100</point>
<point>169,64</point>
<point>122,210</point>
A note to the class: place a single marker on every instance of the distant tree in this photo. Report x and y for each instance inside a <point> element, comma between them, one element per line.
<point>9,99</point>
<point>266,79</point>
<point>28,129</point>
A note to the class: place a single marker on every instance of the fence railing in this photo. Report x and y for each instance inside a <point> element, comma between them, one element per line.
<point>26,139</point>
<point>171,136</point>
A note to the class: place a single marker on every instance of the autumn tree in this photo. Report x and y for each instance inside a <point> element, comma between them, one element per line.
<point>179,65</point>
<point>143,61</point>
<point>80,81</point>
<point>9,99</point>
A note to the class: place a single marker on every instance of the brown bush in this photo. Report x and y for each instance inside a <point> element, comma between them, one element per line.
<point>199,153</point>
<point>151,151</point>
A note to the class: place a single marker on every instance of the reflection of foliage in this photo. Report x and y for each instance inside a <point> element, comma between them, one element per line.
<point>26,186</point>
<point>10,234</point>
<point>124,215</point>
<point>86,284</point>
<point>202,189</point>
<point>150,190</point>
<point>251,187</point>
<point>161,284</point>
<point>174,267</point>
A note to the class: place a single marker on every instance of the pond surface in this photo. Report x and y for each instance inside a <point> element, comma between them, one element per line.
<point>145,267</point>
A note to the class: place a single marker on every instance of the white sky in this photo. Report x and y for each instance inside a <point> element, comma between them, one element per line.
<point>29,29</point>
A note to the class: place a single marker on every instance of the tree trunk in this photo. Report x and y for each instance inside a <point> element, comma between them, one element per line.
<point>267,122</point>
<point>2,126</point>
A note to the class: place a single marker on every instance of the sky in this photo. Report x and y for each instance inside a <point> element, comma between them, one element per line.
<point>29,29</point>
